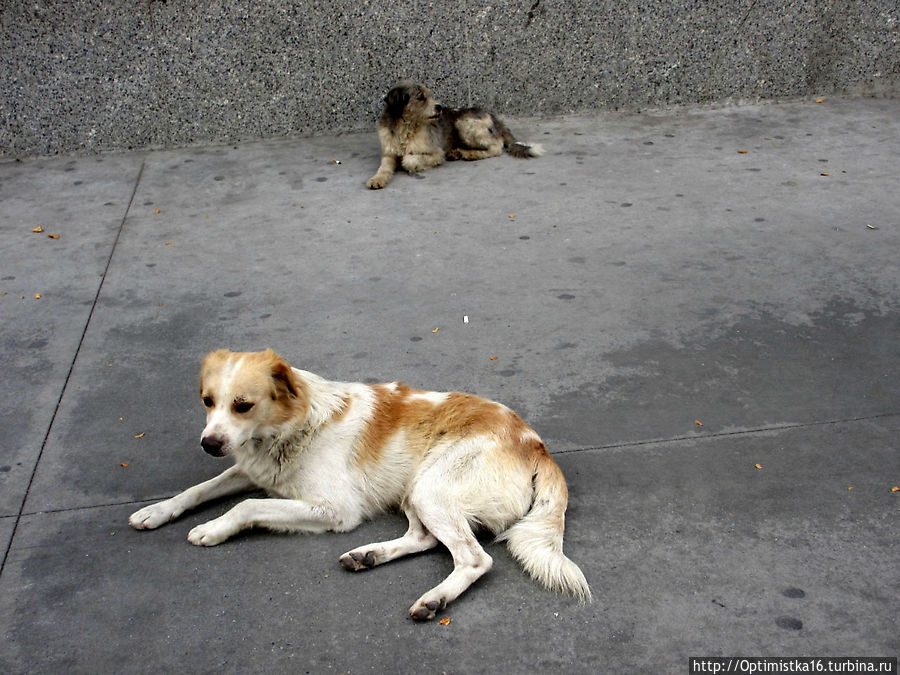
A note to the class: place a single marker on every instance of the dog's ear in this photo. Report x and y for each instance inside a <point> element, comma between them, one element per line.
<point>284,378</point>
<point>396,101</point>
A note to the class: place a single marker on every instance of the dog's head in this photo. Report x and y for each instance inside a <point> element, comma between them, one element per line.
<point>247,395</point>
<point>412,102</point>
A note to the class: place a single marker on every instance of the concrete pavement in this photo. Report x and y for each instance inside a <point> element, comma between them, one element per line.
<point>672,298</point>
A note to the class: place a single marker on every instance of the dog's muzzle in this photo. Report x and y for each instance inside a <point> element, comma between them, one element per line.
<point>213,445</point>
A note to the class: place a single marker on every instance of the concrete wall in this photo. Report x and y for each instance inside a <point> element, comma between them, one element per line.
<point>91,75</point>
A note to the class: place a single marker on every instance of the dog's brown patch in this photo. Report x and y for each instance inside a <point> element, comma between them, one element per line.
<point>426,422</point>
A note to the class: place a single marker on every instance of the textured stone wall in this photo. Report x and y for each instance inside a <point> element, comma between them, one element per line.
<point>90,75</point>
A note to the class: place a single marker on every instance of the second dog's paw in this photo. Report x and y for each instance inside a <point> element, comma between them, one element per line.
<point>376,182</point>
<point>151,517</point>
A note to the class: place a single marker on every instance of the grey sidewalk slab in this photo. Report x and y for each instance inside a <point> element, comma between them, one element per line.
<point>643,275</point>
<point>83,200</point>
<point>690,549</point>
<point>650,271</point>
<point>7,525</point>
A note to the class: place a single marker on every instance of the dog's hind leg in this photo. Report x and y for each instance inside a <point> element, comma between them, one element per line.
<point>421,161</point>
<point>416,540</point>
<point>476,138</point>
<point>470,561</point>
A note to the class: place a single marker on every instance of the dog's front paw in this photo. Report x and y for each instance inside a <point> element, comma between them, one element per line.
<point>377,182</point>
<point>210,533</point>
<point>424,609</point>
<point>358,560</point>
<point>151,517</point>
<point>412,164</point>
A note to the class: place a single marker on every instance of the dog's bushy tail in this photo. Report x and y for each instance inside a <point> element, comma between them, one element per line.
<point>514,147</point>
<point>536,541</point>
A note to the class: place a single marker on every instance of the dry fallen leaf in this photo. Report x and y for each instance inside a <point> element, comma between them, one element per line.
<point>494,358</point>
<point>37,229</point>
<point>512,216</point>
<point>824,173</point>
<point>849,487</point>
<point>156,211</point>
<point>53,236</point>
<point>742,152</point>
<point>820,100</point>
<point>895,489</point>
<point>37,296</point>
<point>435,330</point>
<point>141,435</point>
<point>445,621</point>
<point>123,464</point>
<point>698,423</point>
<point>759,466</point>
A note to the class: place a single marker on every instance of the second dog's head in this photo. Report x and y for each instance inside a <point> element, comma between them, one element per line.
<point>412,102</point>
<point>247,395</point>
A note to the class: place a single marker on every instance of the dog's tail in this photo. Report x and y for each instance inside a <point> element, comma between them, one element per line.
<point>536,541</point>
<point>514,147</point>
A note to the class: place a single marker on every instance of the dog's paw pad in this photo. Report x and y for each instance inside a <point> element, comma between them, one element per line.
<point>425,611</point>
<point>421,614</point>
<point>375,183</point>
<point>355,561</point>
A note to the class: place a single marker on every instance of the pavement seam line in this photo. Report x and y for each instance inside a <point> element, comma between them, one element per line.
<point>611,446</point>
<point>65,386</point>
<point>722,434</point>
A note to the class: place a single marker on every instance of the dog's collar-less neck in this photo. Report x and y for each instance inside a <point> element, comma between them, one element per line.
<point>405,129</point>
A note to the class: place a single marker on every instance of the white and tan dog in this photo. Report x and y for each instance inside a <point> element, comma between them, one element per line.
<point>334,453</point>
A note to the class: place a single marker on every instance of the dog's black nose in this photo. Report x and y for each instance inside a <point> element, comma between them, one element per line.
<point>212,445</point>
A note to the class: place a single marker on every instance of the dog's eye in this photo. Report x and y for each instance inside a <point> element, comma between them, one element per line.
<point>207,401</point>
<point>243,406</point>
